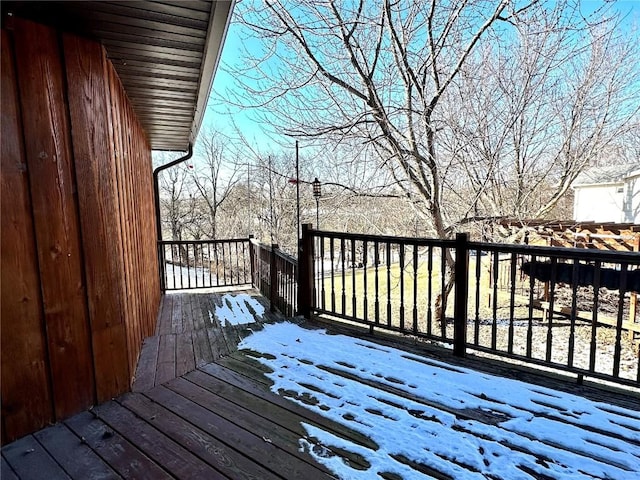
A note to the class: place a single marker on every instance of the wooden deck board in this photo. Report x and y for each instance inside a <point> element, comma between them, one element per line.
<point>229,462</point>
<point>30,460</point>
<point>119,453</point>
<point>162,449</point>
<point>188,335</point>
<point>73,455</point>
<point>240,389</point>
<point>6,471</point>
<point>185,359</point>
<point>147,364</point>
<point>219,418</point>
<point>166,369</point>
<point>285,438</point>
<point>164,318</point>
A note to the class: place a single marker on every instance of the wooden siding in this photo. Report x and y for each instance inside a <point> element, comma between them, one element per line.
<point>26,395</point>
<point>80,288</point>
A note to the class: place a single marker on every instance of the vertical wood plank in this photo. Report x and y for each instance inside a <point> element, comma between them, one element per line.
<point>50,166</point>
<point>117,152</point>
<point>26,396</point>
<point>98,204</point>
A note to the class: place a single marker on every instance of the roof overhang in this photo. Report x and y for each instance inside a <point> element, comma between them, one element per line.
<point>166,54</point>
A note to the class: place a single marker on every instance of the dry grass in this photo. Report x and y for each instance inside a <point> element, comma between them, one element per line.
<point>407,299</point>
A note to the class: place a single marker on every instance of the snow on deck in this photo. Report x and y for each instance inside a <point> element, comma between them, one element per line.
<point>427,416</point>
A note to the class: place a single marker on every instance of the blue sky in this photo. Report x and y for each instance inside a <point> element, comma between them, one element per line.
<point>221,117</point>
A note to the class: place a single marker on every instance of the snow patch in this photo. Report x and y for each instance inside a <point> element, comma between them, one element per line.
<point>529,428</point>
<point>239,310</point>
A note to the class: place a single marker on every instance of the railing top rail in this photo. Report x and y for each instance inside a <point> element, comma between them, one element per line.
<point>287,257</point>
<point>385,238</point>
<point>279,253</point>
<point>202,242</point>
<point>560,252</point>
<point>258,243</point>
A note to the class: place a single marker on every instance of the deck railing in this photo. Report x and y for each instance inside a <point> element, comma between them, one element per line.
<point>204,263</point>
<point>234,262</point>
<point>569,309</point>
<point>564,308</point>
<point>275,274</point>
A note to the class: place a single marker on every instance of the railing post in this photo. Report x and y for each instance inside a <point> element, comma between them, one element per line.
<point>273,278</point>
<point>252,266</point>
<point>305,272</point>
<point>461,293</point>
<point>162,267</point>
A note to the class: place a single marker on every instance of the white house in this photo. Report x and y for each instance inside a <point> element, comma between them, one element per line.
<point>608,194</point>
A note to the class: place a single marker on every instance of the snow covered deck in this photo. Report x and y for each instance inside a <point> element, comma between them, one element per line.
<point>295,402</point>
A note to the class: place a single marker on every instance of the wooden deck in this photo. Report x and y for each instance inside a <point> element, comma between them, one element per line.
<point>202,409</point>
<point>189,336</point>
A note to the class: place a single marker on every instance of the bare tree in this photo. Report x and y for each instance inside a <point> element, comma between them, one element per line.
<point>375,72</point>
<point>390,76</point>
<point>535,115</point>
<point>176,208</point>
<point>214,177</point>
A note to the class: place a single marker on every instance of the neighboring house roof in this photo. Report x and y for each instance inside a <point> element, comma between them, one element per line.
<point>166,54</point>
<point>606,175</point>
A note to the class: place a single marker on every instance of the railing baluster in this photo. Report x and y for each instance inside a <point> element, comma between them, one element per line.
<point>594,316</point>
<point>430,290</point>
<point>344,296</point>
<point>415,288</point>
<point>237,264</point>
<point>376,259</point>
<point>530,321</point>
<point>209,263</point>
<point>476,321</point>
<point>224,265</point>
<point>333,274</point>
<point>322,292</point>
<point>401,260</point>
<point>364,267</point>
<point>215,253</point>
<point>494,306</point>
<point>443,284</point>
<point>173,266</point>
<point>552,294</point>
<point>354,306</point>
<point>388,284</point>
<point>244,262</point>
<point>574,311</point>
<point>618,344</point>
<point>512,300</point>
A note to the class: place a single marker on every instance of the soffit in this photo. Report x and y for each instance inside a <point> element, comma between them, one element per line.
<point>165,52</point>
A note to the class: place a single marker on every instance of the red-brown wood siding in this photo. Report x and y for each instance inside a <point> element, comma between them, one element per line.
<point>50,169</point>
<point>26,397</point>
<point>137,217</point>
<point>97,200</point>
<point>80,289</point>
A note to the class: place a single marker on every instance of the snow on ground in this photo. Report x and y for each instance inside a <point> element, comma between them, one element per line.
<point>530,429</point>
<point>188,277</point>
<point>238,310</point>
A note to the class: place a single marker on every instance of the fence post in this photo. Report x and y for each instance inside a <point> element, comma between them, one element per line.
<point>252,266</point>
<point>461,294</point>
<point>273,278</point>
<point>305,271</point>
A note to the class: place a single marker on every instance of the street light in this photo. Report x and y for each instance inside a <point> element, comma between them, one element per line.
<point>317,193</point>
